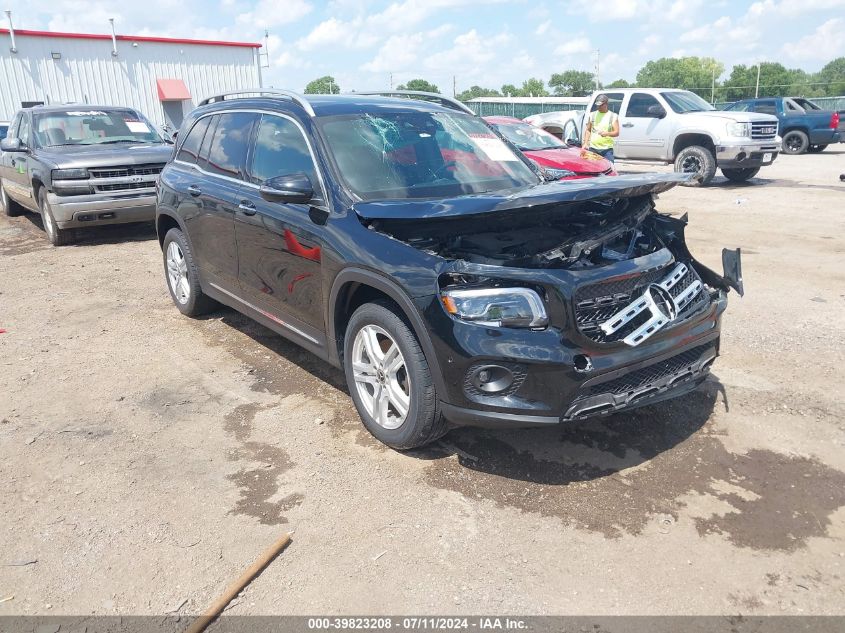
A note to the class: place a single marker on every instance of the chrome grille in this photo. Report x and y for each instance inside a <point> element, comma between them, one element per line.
<point>124,172</point>
<point>764,130</point>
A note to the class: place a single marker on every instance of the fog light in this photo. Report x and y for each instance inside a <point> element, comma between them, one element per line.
<point>491,378</point>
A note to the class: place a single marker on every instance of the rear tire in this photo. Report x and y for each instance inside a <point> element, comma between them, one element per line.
<point>182,276</point>
<point>795,142</point>
<point>9,207</point>
<point>389,378</point>
<point>741,174</point>
<point>815,149</point>
<point>57,236</point>
<point>697,160</point>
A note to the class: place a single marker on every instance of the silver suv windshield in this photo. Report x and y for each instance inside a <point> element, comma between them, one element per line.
<point>85,126</point>
<point>421,155</point>
<point>684,101</point>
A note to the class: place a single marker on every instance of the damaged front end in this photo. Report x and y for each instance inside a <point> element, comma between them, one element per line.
<point>578,299</point>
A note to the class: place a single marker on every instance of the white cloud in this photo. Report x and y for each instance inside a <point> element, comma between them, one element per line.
<point>469,53</point>
<point>542,28</point>
<point>398,53</point>
<point>609,9</point>
<point>576,46</point>
<point>823,44</point>
<point>266,13</point>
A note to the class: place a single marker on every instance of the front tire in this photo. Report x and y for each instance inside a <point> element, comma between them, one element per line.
<point>795,142</point>
<point>389,378</point>
<point>57,236</point>
<point>696,160</point>
<point>183,280</point>
<point>741,174</point>
<point>9,207</point>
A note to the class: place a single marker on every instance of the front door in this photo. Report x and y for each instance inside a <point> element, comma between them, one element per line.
<point>279,244</point>
<point>642,131</point>
<point>16,168</point>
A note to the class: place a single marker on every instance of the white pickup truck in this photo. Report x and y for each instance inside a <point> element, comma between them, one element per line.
<point>678,126</point>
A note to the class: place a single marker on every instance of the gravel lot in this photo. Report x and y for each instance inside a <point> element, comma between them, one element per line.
<point>146,459</point>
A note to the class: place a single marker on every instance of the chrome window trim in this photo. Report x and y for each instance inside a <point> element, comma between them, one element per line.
<point>262,112</point>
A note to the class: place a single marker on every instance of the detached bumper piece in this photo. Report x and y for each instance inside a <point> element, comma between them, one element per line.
<point>644,385</point>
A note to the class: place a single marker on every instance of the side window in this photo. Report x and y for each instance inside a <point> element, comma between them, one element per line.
<point>766,107</point>
<point>639,104</point>
<point>190,149</point>
<point>23,131</point>
<point>570,132</point>
<point>227,152</point>
<point>280,149</point>
<point>202,160</point>
<point>13,128</point>
<point>740,106</point>
<point>614,102</point>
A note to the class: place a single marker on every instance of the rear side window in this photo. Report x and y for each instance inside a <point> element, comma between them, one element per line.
<point>227,152</point>
<point>280,149</point>
<point>190,149</point>
<point>614,102</point>
<point>765,107</point>
<point>639,104</point>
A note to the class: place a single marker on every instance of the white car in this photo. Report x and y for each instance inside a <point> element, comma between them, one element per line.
<point>554,122</point>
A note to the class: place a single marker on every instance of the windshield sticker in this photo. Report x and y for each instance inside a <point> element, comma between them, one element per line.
<point>138,127</point>
<point>85,113</point>
<point>494,149</point>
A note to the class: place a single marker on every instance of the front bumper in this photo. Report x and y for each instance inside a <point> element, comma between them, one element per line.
<point>99,209</point>
<point>747,153</point>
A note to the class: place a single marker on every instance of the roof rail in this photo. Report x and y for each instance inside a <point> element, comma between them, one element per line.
<point>447,102</point>
<point>260,92</point>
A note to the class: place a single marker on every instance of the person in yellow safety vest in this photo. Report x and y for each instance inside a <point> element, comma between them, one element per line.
<point>602,128</point>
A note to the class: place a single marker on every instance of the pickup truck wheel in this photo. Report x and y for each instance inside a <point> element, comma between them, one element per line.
<point>740,175</point>
<point>183,279</point>
<point>57,236</point>
<point>389,378</point>
<point>696,160</point>
<point>815,149</point>
<point>9,206</point>
<point>795,142</point>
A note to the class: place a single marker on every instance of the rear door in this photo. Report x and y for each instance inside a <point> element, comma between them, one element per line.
<point>279,245</point>
<point>213,156</point>
<point>642,132</point>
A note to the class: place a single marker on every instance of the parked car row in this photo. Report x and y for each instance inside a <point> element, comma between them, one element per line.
<point>454,280</point>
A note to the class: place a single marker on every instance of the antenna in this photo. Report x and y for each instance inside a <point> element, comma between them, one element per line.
<point>598,83</point>
<point>266,53</point>
<point>13,48</point>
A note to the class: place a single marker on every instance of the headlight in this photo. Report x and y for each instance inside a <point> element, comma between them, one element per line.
<point>739,129</point>
<point>498,307</point>
<point>69,174</point>
<point>557,174</point>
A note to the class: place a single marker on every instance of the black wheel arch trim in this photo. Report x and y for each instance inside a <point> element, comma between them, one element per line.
<point>395,293</point>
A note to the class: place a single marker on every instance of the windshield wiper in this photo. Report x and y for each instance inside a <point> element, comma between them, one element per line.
<point>120,141</point>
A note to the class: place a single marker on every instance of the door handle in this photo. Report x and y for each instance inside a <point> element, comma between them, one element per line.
<point>627,125</point>
<point>247,208</point>
<point>194,190</point>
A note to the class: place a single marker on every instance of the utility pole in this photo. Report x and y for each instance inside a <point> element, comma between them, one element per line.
<point>454,85</point>
<point>391,81</point>
<point>598,83</point>
<point>757,88</point>
<point>713,87</point>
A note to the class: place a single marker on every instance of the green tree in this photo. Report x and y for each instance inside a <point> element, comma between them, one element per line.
<point>533,88</point>
<point>572,83</point>
<point>691,73</point>
<point>477,91</point>
<point>775,81</point>
<point>833,75</point>
<point>419,84</point>
<point>509,90</point>
<point>619,83</point>
<point>322,86</point>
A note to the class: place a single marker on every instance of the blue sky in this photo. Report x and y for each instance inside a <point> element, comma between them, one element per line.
<point>484,42</point>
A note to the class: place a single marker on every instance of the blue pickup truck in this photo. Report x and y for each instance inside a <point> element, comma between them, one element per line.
<point>804,126</point>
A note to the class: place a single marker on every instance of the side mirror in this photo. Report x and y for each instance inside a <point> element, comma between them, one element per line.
<point>573,142</point>
<point>291,188</point>
<point>12,145</point>
<point>657,111</point>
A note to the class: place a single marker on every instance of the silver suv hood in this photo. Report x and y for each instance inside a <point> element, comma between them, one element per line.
<point>739,117</point>
<point>70,156</point>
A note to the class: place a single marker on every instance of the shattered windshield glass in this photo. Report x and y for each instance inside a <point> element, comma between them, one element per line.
<point>529,138</point>
<point>421,155</point>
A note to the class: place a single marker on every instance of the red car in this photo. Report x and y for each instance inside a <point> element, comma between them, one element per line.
<point>555,156</point>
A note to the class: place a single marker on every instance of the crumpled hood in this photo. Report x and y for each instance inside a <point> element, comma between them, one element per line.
<point>600,188</point>
<point>70,156</point>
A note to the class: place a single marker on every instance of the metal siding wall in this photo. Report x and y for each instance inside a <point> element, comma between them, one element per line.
<point>88,73</point>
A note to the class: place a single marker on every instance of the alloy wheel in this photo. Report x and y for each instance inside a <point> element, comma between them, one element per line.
<point>177,273</point>
<point>381,376</point>
<point>691,165</point>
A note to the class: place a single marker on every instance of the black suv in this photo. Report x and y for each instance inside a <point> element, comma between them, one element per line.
<point>402,239</point>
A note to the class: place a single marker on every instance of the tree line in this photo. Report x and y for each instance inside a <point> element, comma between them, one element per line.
<point>697,74</point>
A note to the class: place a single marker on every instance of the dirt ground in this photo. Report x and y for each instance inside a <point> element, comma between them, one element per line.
<point>146,458</point>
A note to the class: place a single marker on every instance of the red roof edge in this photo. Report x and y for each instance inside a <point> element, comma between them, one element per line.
<point>132,38</point>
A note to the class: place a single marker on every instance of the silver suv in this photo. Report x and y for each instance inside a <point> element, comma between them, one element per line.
<point>678,126</point>
<point>81,166</point>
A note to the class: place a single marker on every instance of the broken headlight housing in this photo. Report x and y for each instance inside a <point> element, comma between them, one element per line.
<point>498,307</point>
<point>739,129</point>
<point>557,174</point>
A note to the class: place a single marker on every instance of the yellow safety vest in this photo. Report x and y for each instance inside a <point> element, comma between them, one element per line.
<point>601,122</point>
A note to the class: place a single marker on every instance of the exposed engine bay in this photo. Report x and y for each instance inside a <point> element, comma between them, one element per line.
<point>590,233</point>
